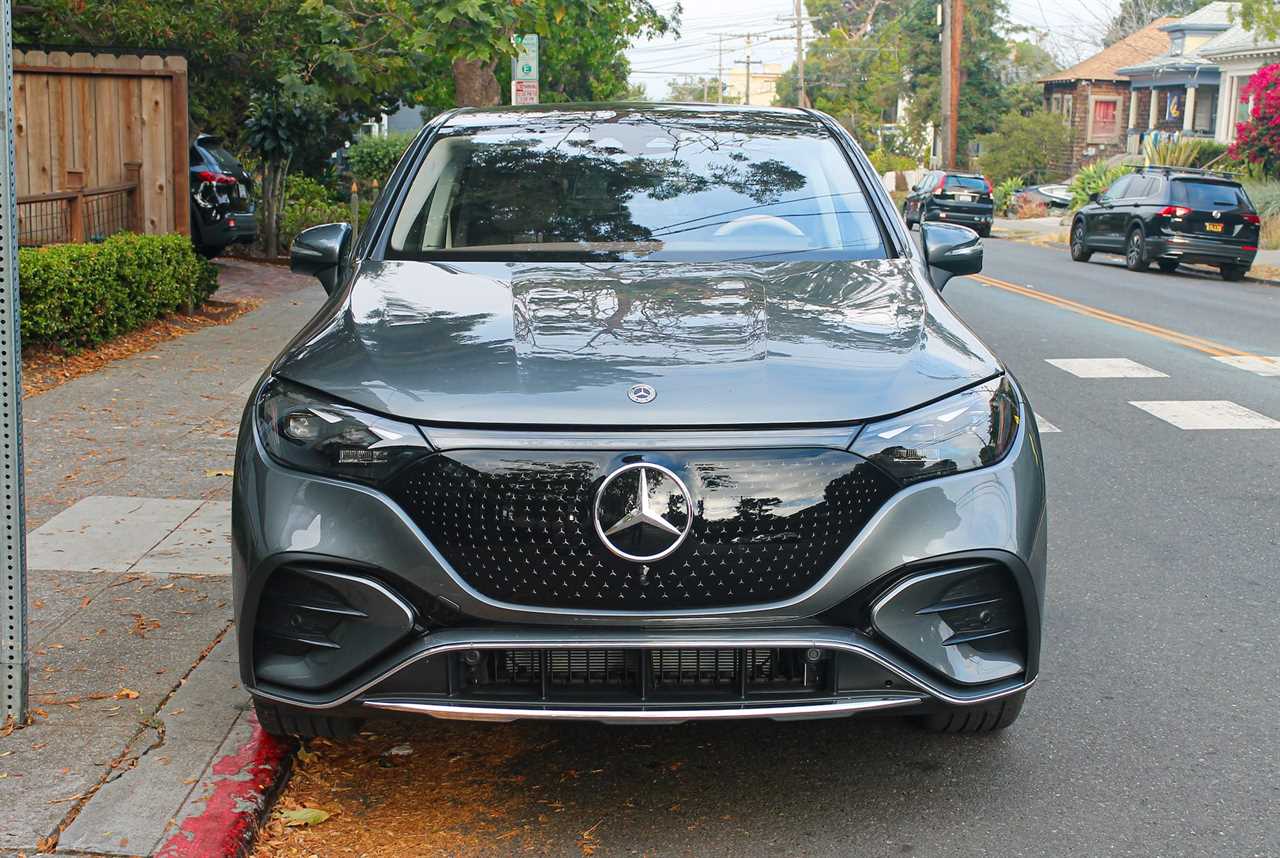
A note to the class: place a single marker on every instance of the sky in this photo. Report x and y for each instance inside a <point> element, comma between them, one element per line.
<point>1069,29</point>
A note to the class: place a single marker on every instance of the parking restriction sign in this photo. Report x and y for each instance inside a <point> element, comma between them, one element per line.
<point>524,92</point>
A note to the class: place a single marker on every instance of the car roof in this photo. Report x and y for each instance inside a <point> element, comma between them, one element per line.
<point>748,118</point>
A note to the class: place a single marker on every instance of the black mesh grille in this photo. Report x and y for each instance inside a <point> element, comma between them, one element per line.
<point>518,527</point>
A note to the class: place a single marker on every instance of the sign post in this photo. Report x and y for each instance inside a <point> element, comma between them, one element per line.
<point>13,561</point>
<point>524,70</point>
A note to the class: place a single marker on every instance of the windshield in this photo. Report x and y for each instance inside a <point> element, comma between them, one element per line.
<point>1196,194</point>
<point>631,185</point>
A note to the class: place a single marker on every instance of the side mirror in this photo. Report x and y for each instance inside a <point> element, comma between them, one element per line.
<point>1093,197</point>
<point>322,251</point>
<point>951,251</point>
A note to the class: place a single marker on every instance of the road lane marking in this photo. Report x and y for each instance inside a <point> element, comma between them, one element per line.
<point>1207,414</point>
<point>1258,364</point>
<point>1200,344</point>
<point>1105,368</point>
<point>1045,426</point>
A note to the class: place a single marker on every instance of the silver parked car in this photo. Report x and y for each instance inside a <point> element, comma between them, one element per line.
<point>637,414</point>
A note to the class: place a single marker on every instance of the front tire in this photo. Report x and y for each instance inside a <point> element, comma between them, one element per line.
<point>1080,251</point>
<point>979,718</point>
<point>1232,272</point>
<point>282,721</point>
<point>1135,253</point>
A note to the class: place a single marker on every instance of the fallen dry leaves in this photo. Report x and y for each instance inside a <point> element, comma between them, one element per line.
<point>44,367</point>
<point>399,793</point>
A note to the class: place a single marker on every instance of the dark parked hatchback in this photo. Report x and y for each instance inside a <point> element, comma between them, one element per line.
<point>1171,215</point>
<point>221,198</point>
<point>963,198</point>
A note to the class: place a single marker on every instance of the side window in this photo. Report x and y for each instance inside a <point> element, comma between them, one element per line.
<point>194,158</point>
<point>1118,189</point>
<point>1139,188</point>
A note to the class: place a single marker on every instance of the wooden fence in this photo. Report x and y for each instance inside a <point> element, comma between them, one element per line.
<point>100,144</point>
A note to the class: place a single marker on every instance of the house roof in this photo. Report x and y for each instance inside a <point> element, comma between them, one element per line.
<point>1208,18</point>
<point>1134,48</point>
<point>1214,18</point>
<point>1238,40</point>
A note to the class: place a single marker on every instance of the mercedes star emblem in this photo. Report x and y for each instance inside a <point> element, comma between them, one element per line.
<point>642,512</point>
<point>642,393</point>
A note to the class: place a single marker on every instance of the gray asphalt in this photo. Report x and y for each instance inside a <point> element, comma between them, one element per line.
<point>1153,730</point>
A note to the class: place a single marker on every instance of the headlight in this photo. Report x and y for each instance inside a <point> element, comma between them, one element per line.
<point>970,430</point>
<point>306,431</point>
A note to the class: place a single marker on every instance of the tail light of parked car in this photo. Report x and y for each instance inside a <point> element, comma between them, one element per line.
<point>1253,219</point>
<point>215,178</point>
<point>1175,211</point>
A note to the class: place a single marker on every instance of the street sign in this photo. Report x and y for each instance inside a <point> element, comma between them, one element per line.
<point>524,92</point>
<point>525,64</point>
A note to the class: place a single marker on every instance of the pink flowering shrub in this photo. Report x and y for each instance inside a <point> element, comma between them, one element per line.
<point>1258,140</point>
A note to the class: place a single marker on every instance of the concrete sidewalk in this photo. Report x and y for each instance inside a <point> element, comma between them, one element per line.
<point>133,681</point>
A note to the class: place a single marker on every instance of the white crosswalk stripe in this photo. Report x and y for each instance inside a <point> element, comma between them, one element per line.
<point>1105,368</point>
<point>1207,414</point>
<point>1259,364</point>
<point>1045,426</point>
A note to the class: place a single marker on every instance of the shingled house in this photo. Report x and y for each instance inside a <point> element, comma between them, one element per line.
<point>1094,99</point>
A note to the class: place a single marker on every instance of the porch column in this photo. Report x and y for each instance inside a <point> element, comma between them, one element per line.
<point>1133,108</point>
<point>1151,108</point>
<point>1189,110</point>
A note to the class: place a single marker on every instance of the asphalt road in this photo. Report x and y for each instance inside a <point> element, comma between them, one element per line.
<point>1154,729</point>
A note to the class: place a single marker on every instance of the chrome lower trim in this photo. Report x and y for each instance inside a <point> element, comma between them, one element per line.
<point>822,637</point>
<point>785,712</point>
<point>446,438</point>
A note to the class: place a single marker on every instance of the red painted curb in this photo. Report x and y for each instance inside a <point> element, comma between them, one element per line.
<point>243,784</point>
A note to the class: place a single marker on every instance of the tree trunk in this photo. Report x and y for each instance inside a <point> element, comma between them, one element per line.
<point>272,201</point>
<point>475,84</point>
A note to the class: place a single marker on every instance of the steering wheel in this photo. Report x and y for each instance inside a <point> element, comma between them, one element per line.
<point>771,221</point>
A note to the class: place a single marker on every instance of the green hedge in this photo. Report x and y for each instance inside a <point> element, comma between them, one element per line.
<point>81,294</point>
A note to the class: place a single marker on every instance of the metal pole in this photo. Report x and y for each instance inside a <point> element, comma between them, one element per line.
<point>13,579</point>
<point>747,97</point>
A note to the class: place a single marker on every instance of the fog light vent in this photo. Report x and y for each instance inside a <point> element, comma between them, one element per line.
<point>966,622</point>
<point>317,626</point>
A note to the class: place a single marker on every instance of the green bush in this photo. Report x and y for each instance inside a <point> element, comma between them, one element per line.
<point>889,162</point>
<point>1005,191</point>
<point>308,203</point>
<point>1094,179</point>
<point>1025,146</point>
<point>372,158</point>
<point>80,294</point>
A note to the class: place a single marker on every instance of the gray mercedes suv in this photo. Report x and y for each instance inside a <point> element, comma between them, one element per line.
<point>637,414</point>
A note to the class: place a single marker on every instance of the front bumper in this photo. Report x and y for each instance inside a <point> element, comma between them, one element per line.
<point>283,517</point>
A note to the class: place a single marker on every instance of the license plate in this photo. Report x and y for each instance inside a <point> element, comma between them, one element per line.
<point>1213,227</point>
<point>240,191</point>
<point>965,198</point>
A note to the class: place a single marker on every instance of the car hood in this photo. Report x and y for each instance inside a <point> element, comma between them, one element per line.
<point>560,344</point>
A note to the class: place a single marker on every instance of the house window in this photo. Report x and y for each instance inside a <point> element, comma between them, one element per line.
<point>1060,103</point>
<point>1104,120</point>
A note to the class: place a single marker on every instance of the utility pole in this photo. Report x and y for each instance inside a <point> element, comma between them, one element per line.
<point>719,68</point>
<point>746,98</point>
<point>799,19</point>
<point>13,561</point>
<point>952,33</point>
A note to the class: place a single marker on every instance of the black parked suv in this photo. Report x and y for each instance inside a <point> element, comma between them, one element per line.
<point>963,198</point>
<point>1170,215</point>
<point>221,198</point>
